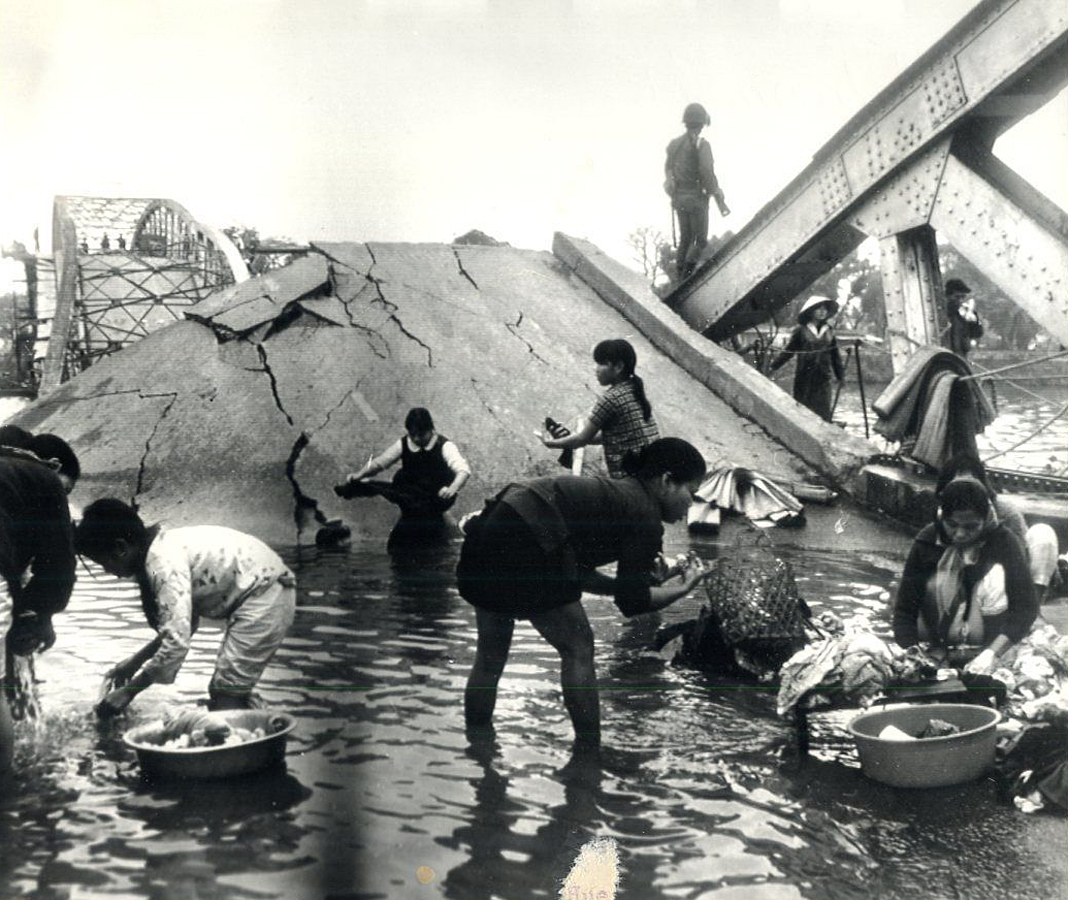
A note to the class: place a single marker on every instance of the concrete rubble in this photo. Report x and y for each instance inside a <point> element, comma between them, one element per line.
<point>249,411</point>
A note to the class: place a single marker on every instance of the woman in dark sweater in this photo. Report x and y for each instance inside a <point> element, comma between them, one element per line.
<point>535,548</point>
<point>966,581</point>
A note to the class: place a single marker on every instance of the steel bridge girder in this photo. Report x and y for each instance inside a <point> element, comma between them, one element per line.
<point>1002,239</point>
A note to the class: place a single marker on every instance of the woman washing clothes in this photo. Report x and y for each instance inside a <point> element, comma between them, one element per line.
<point>533,551</point>
<point>966,588</point>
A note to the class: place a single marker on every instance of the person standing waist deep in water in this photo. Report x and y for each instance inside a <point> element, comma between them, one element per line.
<point>690,179</point>
<point>814,344</point>
<point>431,474</point>
<point>535,548</point>
<point>622,418</point>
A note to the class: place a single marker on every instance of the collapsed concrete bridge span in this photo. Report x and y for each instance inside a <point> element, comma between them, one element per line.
<point>251,408</point>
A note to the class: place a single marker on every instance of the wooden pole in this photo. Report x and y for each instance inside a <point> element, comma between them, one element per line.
<point>863,400</point>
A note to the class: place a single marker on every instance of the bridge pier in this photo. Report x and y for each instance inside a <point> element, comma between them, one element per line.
<point>912,291</point>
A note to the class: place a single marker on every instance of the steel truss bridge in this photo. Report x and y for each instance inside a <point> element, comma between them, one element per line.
<point>914,161</point>
<point>122,268</point>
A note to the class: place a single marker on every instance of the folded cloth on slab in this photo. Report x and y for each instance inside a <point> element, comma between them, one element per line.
<point>931,439</point>
<point>901,407</point>
<point>747,492</point>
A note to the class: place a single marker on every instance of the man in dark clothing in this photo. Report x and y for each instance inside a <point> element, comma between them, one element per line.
<point>35,534</point>
<point>964,325</point>
<point>690,179</point>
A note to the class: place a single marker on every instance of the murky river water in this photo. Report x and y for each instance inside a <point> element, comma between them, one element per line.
<point>382,798</point>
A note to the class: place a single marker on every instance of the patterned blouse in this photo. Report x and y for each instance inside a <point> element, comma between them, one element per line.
<point>618,415</point>
<point>203,570</point>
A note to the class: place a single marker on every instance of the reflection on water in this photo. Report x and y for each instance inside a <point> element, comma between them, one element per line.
<point>380,779</point>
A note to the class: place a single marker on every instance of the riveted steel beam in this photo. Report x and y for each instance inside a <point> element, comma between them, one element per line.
<point>1017,242</point>
<point>991,51</point>
<point>912,291</point>
<point>65,252</point>
<point>905,200</point>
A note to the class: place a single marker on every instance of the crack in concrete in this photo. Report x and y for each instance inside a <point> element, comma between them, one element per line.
<point>52,401</point>
<point>303,505</point>
<point>512,326</point>
<point>367,331</point>
<point>337,406</point>
<point>463,271</point>
<point>274,383</point>
<point>148,443</point>
<point>392,308</point>
<point>482,400</point>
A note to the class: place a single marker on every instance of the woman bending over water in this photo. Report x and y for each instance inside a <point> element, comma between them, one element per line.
<point>534,549</point>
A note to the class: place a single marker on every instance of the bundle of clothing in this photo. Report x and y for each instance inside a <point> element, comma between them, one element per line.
<point>849,664</point>
<point>930,402</point>
<point>1032,765</point>
<point>735,489</point>
<point>1035,671</point>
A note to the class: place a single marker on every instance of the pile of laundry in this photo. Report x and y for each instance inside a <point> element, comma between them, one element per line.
<point>1035,671</point>
<point>849,665</point>
<point>1033,739</point>
<point>936,404</point>
<point>735,489</point>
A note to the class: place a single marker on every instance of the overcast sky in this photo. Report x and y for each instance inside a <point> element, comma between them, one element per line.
<point>416,120</point>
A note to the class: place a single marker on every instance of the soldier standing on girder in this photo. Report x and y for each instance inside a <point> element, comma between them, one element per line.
<point>690,179</point>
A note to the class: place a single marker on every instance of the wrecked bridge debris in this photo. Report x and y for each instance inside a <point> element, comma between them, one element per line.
<point>248,411</point>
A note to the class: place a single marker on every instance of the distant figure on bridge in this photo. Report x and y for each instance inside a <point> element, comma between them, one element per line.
<point>105,244</point>
<point>122,242</point>
<point>964,327</point>
<point>814,344</point>
<point>690,179</point>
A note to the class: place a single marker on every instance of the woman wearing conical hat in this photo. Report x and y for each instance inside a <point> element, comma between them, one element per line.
<point>818,359</point>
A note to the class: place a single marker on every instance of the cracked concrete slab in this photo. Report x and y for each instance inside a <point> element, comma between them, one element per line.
<point>250,429</point>
<point>240,308</point>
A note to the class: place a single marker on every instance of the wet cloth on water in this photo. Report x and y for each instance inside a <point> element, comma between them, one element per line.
<point>852,667</point>
<point>747,492</point>
<point>211,571</point>
<point>617,414</point>
<point>424,471</point>
<point>525,553</point>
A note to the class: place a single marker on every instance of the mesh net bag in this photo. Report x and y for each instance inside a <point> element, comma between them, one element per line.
<point>754,602</point>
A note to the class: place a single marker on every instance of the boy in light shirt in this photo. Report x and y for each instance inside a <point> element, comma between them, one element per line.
<point>183,574</point>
